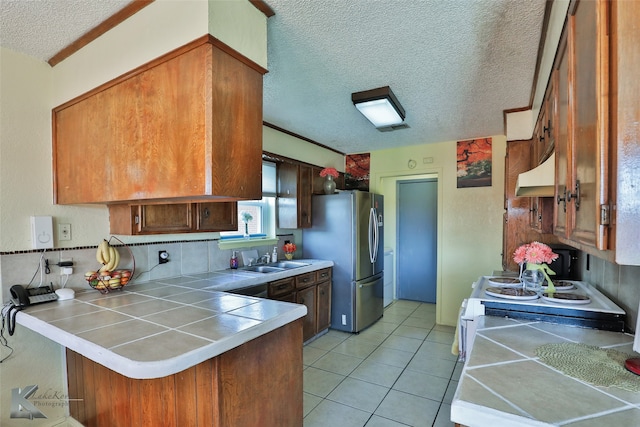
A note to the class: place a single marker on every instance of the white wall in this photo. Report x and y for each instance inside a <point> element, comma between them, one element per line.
<point>29,89</point>
<point>469,219</point>
<point>277,142</point>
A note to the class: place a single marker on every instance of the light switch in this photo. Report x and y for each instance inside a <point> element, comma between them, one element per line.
<point>42,232</point>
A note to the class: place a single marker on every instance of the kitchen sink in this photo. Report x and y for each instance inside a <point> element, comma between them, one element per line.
<point>262,269</point>
<point>274,267</point>
<point>289,264</point>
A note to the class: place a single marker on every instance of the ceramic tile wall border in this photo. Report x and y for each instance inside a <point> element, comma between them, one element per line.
<point>186,257</point>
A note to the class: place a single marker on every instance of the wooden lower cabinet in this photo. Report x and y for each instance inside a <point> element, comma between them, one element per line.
<point>256,384</point>
<point>324,306</point>
<point>307,297</point>
<point>311,289</point>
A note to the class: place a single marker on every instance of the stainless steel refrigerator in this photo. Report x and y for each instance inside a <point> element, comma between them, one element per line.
<point>348,230</point>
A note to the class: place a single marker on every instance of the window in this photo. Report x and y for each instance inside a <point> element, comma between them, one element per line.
<point>262,211</point>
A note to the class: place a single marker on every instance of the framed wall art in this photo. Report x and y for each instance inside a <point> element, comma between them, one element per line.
<point>474,163</point>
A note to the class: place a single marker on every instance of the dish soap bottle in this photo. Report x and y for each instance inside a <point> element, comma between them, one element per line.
<point>274,256</point>
<point>233,262</point>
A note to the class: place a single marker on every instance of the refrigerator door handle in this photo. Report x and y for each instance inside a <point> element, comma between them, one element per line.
<point>373,236</point>
<point>376,234</point>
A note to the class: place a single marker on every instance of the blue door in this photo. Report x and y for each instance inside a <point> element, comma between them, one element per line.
<point>417,231</point>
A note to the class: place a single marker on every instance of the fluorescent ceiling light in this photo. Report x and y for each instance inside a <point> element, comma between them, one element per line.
<point>379,106</point>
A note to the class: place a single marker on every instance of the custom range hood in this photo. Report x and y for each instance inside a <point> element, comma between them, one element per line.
<point>539,181</point>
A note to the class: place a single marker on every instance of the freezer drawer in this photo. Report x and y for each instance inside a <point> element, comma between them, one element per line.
<point>369,302</point>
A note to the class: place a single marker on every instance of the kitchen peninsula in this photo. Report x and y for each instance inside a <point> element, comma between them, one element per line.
<point>505,383</point>
<point>180,351</point>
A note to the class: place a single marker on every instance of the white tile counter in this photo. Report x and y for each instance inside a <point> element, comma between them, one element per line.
<point>155,329</point>
<point>504,384</point>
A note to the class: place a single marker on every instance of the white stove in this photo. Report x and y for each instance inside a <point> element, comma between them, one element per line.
<point>590,308</point>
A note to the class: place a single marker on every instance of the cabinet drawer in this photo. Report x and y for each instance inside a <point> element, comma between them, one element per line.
<point>281,287</point>
<point>322,275</point>
<point>304,280</point>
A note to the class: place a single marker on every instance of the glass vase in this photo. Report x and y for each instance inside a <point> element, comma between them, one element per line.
<point>532,280</point>
<point>329,185</point>
<point>246,231</point>
<point>288,256</point>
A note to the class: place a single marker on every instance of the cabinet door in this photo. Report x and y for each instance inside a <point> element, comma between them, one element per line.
<point>217,216</point>
<point>589,147</point>
<point>154,219</point>
<point>307,296</point>
<point>163,131</point>
<point>324,306</point>
<point>304,196</point>
<point>287,201</point>
<point>294,195</point>
<point>562,141</point>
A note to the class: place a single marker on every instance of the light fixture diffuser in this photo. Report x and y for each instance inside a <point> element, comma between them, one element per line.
<point>380,106</point>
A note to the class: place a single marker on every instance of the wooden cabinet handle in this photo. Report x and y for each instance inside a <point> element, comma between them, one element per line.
<point>575,195</point>
<point>562,199</point>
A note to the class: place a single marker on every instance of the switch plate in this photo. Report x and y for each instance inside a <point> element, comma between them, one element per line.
<point>42,232</point>
<point>64,232</point>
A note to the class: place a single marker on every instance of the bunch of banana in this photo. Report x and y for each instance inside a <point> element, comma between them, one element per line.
<point>108,256</point>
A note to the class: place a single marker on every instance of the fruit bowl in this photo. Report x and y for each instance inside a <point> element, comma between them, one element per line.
<point>107,281</point>
<point>108,277</point>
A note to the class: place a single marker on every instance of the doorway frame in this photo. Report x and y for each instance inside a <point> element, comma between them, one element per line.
<point>386,184</point>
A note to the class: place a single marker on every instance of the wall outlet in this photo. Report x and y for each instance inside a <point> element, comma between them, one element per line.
<point>163,257</point>
<point>66,270</point>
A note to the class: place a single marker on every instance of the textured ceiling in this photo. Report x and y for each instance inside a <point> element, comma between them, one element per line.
<point>455,65</point>
<point>42,28</point>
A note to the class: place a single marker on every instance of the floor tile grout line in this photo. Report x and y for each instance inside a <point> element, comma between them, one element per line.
<point>405,368</point>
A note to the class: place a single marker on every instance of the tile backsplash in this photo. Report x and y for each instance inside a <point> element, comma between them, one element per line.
<point>185,257</point>
<point>621,283</point>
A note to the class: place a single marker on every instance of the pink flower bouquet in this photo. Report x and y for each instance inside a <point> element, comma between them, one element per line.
<point>536,255</point>
<point>329,171</point>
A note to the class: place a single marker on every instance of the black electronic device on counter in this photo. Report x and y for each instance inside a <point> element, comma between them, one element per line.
<point>22,297</point>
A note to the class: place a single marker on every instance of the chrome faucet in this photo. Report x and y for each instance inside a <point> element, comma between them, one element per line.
<point>265,259</point>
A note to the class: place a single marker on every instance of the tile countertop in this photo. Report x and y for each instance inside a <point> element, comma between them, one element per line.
<point>159,328</point>
<point>504,384</point>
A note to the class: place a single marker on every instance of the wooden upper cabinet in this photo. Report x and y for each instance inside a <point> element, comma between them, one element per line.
<point>588,142</point>
<point>562,141</point>
<point>294,195</point>
<point>173,218</point>
<point>184,127</point>
<point>597,155</point>
<point>216,216</point>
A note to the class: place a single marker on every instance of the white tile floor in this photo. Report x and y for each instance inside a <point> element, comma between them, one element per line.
<point>398,372</point>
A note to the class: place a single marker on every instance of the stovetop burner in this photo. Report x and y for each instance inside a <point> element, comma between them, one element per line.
<point>585,307</point>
